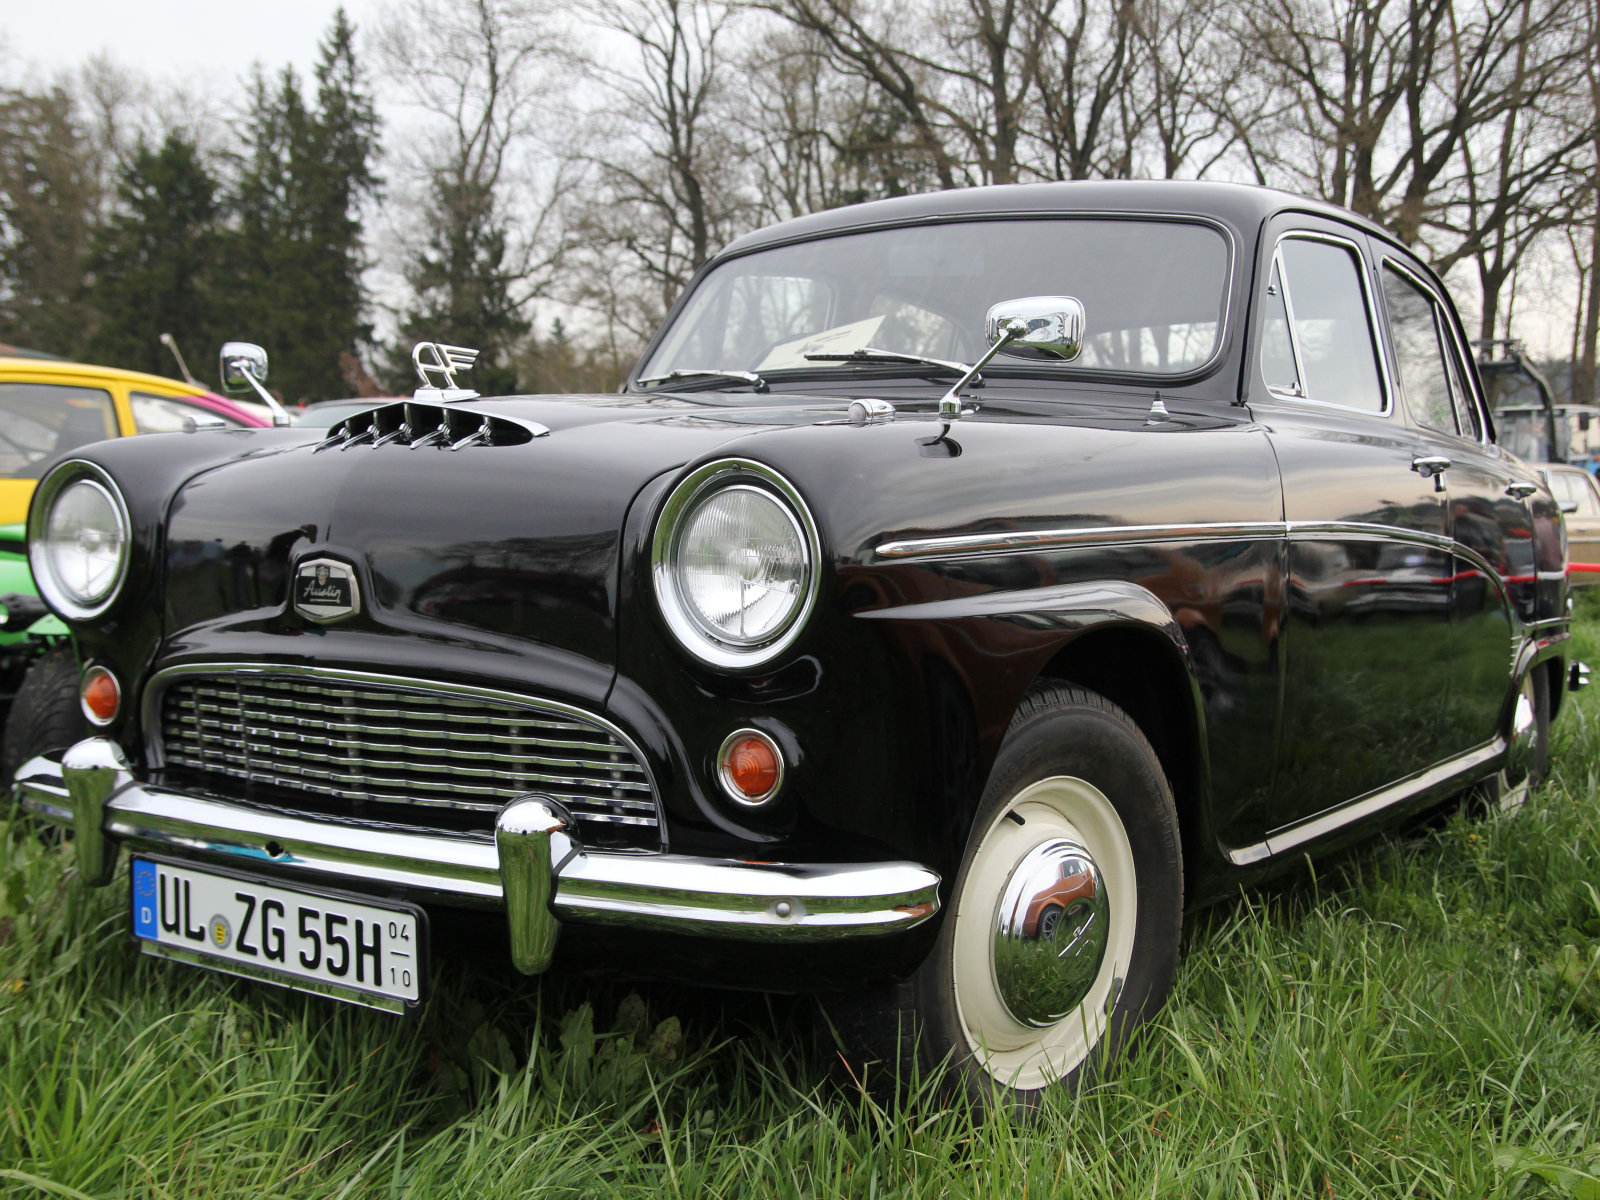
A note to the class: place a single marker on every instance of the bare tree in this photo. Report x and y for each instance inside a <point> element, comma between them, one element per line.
<point>491,183</point>
<point>668,170</point>
<point>1583,366</point>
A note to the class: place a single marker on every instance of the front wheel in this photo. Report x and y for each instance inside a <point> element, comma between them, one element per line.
<point>46,715</point>
<point>1061,937</point>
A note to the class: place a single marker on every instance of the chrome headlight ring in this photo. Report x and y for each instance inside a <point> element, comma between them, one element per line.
<point>683,503</point>
<point>66,601</point>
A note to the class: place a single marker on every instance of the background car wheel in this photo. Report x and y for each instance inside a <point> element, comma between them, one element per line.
<point>45,715</point>
<point>1077,813</point>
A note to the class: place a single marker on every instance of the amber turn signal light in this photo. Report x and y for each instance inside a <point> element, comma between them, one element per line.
<point>750,766</point>
<point>100,695</point>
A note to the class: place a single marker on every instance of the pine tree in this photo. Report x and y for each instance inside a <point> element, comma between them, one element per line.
<point>48,194</point>
<point>151,266</point>
<point>295,256</point>
<point>463,289</point>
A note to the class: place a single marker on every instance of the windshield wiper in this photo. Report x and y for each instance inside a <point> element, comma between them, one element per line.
<point>686,372</point>
<point>872,355</point>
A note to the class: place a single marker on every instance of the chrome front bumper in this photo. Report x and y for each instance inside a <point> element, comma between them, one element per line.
<point>532,867</point>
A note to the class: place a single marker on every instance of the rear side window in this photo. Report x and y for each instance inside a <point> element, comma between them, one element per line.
<point>1588,498</point>
<point>40,420</point>
<point>164,414</point>
<point>1334,360</point>
<point>1575,489</point>
<point>1429,376</point>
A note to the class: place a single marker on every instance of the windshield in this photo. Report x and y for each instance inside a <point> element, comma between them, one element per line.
<point>1154,291</point>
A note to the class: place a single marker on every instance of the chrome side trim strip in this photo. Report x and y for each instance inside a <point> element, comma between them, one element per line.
<point>1307,530</point>
<point>1280,841</point>
<point>724,898</point>
<point>1012,542</point>
<point>1023,541</point>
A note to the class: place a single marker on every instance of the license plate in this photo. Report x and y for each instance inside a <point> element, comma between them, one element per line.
<point>329,943</point>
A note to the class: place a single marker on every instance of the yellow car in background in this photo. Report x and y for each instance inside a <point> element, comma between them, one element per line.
<point>49,406</point>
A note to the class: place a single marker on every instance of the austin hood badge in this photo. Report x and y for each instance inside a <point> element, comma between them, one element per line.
<point>325,589</point>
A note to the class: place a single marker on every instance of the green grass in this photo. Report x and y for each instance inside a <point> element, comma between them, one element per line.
<point>1418,1017</point>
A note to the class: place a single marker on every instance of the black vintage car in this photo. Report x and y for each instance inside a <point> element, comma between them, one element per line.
<point>827,656</point>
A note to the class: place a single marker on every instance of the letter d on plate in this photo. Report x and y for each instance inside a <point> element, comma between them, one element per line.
<point>144,899</point>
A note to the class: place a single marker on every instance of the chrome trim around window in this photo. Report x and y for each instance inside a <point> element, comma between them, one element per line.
<point>732,899</point>
<point>1464,362</point>
<point>1374,322</point>
<point>1225,314</point>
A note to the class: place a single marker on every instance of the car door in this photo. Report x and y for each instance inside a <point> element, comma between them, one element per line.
<point>169,414</point>
<point>1368,613</point>
<point>1493,571</point>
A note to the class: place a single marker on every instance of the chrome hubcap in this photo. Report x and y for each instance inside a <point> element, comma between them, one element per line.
<point>1051,932</point>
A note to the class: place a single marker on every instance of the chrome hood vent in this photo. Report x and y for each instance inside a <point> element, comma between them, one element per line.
<point>445,426</point>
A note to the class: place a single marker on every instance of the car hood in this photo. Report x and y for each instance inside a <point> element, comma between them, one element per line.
<point>512,538</point>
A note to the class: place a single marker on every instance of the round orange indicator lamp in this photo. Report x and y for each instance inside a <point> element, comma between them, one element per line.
<point>100,695</point>
<point>750,766</point>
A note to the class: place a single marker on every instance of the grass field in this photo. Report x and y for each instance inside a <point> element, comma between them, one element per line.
<point>1419,1017</point>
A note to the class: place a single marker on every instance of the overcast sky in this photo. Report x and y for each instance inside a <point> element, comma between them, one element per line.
<point>172,39</point>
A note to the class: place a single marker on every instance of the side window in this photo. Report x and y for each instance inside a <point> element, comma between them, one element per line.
<point>1425,360</point>
<point>1277,351</point>
<point>164,414</point>
<point>1419,357</point>
<point>1588,495</point>
<point>41,420</point>
<point>1334,358</point>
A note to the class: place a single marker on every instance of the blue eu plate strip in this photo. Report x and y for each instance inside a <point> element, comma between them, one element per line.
<point>144,899</point>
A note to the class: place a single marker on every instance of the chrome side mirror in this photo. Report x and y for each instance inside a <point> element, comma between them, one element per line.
<point>1055,325</point>
<point>1569,506</point>
<point>242,363</point>
<point>243,367</point>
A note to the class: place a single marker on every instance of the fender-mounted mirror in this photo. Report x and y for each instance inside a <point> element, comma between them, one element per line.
<point>243,367</point>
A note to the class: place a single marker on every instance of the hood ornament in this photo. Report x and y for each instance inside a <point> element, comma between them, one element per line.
<point>437,359</point>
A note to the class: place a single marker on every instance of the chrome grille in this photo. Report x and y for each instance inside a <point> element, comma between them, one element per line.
<point>389,744</point>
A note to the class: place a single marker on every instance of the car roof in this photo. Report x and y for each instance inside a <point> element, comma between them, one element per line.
<point>45,369</point>
<point>1238,204</point>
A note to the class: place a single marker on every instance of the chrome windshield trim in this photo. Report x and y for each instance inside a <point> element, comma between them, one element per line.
<point>1434,778</point>
<point>150,708</point>
<point>1226,316</point>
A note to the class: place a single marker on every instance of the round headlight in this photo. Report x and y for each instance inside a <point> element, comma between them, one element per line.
<point>741,565</point>
<point>735,555</point>
<point>78,540</point>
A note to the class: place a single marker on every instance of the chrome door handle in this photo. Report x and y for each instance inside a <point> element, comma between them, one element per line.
<point>1431,466</point>
<point>1521,491</point>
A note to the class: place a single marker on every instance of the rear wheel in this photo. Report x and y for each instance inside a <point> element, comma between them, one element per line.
<point>1509,788</point>
<point>46,715</point>
<point>1015,998</point>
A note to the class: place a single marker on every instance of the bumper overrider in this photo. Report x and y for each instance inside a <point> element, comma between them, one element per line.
<point>533,866</point>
